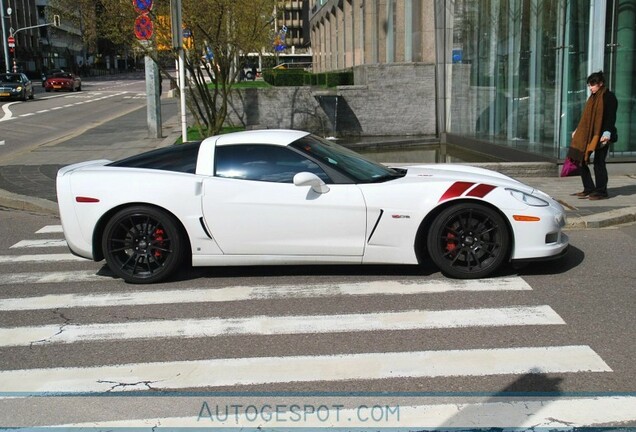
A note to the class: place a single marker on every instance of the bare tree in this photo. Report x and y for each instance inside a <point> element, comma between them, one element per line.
<point>221,31</point>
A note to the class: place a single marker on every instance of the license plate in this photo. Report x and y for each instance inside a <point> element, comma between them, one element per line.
<point>5,94</point>
<point>56,87</point>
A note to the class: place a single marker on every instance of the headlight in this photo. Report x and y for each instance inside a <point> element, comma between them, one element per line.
<point>18,88</point>
<point>528,199</point>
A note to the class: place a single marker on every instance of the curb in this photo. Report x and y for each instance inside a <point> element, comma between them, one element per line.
<point>27,203</point>
<point>605,219</point>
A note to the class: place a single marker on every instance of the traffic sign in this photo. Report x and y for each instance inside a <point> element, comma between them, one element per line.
<point>142,6</point>
<point>11,41</point>
<point>143,27</point>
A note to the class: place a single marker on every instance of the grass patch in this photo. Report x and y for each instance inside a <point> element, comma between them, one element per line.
<point>246,85</point>
<point>194,135</point>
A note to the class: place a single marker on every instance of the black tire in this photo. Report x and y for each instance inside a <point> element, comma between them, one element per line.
<point>143,244</point>
<point>468,241</point>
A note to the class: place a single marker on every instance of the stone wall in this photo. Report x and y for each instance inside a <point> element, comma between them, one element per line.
<point>387,99</point>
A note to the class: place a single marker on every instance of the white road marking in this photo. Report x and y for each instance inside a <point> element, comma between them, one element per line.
<point>278,325</point>
<point>13,259</point>
<point>39,243</point>
<point>2,142</point>
<point>340,367</point>
<point>502,412</point>
<point>8,115</point>
<point>52,277</point>
<point>50,229</point>
<point>242,293</point>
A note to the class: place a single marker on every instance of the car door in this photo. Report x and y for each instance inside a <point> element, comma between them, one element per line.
<point>251,206</point>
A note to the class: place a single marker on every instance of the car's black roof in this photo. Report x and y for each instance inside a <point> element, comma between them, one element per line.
<point>179,158</point>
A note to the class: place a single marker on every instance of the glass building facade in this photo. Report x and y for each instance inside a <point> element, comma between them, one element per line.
<point>515,70</point>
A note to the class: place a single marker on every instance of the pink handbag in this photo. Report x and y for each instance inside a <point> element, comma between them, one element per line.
<point>570,168</point>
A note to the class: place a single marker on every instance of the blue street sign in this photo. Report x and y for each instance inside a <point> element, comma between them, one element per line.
<point>187,33</point>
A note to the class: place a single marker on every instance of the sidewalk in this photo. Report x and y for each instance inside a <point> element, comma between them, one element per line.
<point>27,182</point>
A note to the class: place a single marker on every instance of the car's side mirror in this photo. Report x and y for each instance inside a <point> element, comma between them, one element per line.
<point>309,179</point>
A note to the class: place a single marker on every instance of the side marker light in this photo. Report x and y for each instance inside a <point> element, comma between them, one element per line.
<point>81,199</point>
<point>523,218</point>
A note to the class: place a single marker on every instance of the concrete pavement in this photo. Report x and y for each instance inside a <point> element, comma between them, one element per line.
<point>27,181</point>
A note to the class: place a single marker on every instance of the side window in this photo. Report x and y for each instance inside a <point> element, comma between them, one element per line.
<point>262,163</point>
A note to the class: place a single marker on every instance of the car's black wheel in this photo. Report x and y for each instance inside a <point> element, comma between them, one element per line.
<point>468,240</point>
<point>142,244</point>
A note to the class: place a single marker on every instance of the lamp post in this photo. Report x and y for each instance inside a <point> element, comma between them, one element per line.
<point>5,48</point>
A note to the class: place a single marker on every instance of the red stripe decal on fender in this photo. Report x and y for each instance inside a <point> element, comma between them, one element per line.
<point>481,190</point>
<point>455,190</point>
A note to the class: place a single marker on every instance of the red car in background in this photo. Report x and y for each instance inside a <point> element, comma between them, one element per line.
<point>63,81</point>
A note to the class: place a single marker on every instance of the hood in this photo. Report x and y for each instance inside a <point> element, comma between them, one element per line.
<point>8,85</point>
<point>456,172</point>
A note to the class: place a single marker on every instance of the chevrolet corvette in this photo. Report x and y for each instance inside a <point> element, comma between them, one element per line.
<point>280,197</point>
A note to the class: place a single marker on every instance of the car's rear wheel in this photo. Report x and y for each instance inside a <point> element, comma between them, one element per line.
<point>468,241</point>
<point>143,244</point>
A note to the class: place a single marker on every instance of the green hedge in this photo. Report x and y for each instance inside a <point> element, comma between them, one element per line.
<point>299,77</point>
<point>286,77</point>
<point>332,79</point>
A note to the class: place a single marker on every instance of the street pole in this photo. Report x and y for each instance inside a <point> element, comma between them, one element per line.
<point>153,98</point>
<point>5,49</point>
<point>177,44</point>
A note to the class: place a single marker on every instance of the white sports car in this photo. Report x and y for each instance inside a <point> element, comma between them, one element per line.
<point>289,197</point>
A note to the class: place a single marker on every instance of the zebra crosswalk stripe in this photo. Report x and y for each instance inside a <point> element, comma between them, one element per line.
<point>340,367</point>
<point>44,258</point>
<point>51,277</point>
<point>39,243</point>
<point>269,325</point>
<point>239,292</point>
<point>50,229</point>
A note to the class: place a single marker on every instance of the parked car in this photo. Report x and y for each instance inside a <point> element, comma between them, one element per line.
<point>63,81</point>
<point>289,197</point>
<point>16,86</point>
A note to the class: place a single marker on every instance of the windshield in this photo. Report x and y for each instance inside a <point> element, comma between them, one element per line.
<point>346,161</point>
<point>9,78</point>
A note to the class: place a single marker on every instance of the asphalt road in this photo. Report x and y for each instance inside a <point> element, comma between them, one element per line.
<point>55,116</point>
<point>590,290</point>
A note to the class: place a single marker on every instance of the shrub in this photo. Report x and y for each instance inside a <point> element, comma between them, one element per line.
<point>298,77</point>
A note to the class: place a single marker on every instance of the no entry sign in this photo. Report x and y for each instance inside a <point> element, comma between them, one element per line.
<point>11,41</point>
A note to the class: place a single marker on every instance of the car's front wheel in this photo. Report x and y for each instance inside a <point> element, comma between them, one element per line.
<point>468,241</point>
<point>142,244</point>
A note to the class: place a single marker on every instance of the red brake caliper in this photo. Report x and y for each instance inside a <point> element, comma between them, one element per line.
<point>450,244</point>
<point>158,236</point>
